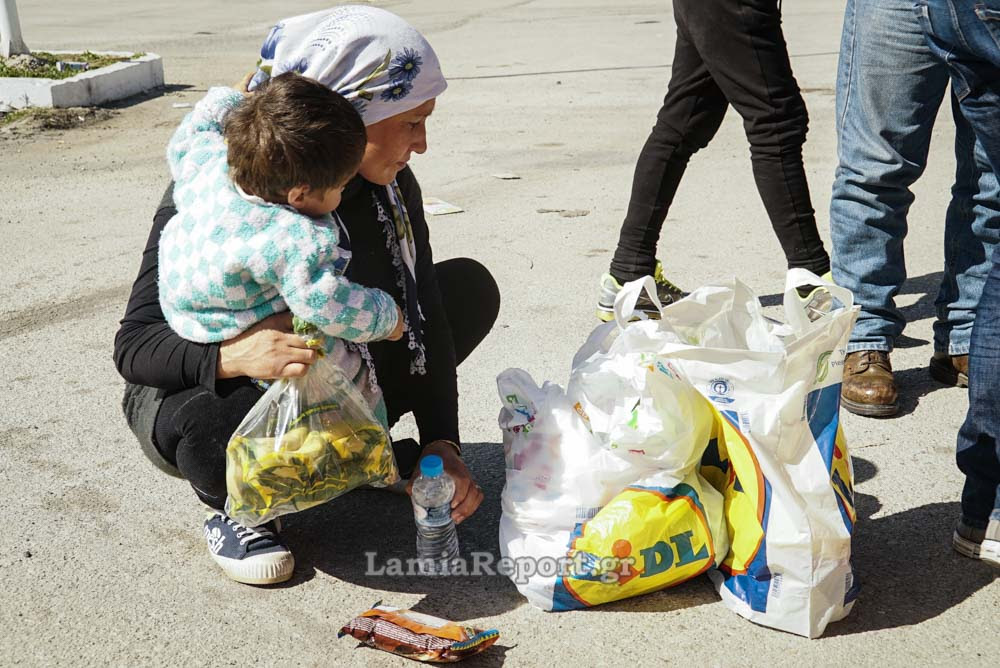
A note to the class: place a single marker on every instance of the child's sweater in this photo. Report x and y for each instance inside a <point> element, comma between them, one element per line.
<point>228,260</point>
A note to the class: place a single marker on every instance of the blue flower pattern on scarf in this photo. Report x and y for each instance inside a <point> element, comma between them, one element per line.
<point>406,65</point>
<point>270,45</point>
<point>299,66</point>
<point>397,90</point>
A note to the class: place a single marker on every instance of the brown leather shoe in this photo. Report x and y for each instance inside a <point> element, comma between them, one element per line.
<point>869,388</point>
<point>950,369</point>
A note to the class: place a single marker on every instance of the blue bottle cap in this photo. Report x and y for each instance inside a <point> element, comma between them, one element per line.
<point>431,466</point>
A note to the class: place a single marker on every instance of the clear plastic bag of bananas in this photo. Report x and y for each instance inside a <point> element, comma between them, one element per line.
<point>306,441</point>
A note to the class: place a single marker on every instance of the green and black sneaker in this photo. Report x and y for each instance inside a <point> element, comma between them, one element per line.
<point>816,299</point>
<point>610,287</point>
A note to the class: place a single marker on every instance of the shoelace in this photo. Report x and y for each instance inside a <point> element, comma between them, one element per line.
<point>660,279</point>
<point>873,358</point>
<point>247,534</point>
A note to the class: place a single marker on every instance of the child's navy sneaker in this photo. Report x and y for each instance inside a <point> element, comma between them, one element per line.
<point>251,556</point>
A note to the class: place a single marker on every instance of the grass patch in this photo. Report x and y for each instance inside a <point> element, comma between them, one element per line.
<point>14,116</point>
<point>43,64</point>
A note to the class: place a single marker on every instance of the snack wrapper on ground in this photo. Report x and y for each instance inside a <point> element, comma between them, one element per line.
<point>306,441</point>
<point>417,636</point>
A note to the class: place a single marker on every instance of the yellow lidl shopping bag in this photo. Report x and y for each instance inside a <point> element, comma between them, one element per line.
<point>647,538</point>
<point>777,452</point>
<point>746,494</point>
<point>772,585</point>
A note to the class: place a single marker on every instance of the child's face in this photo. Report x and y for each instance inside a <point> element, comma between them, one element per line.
<point>316,203</point>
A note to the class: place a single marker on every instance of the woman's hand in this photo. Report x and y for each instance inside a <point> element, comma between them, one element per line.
<point>468,496</point>
<point>267,350</point>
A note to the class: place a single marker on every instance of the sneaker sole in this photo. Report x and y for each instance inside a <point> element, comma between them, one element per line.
<point>870,410</point>
<point>605,314</point>
<point>988,550</point>
<point>945,373</point>
<point>263,569</point>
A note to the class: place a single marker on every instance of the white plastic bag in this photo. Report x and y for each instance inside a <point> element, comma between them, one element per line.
<point>557,470</point>
<point>603,497</point>
<point>778,452</point>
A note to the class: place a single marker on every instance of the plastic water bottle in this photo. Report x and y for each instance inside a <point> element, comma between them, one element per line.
<point>437,540</point>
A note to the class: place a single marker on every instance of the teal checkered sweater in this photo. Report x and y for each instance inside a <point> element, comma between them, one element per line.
<point>228,260</point>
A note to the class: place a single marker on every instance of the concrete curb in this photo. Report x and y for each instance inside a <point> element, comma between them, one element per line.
<point>87,89</point>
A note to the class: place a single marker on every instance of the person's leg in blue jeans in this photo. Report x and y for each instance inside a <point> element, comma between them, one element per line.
<point>889,89</point>
<point>966,36</point>
<point>978,452</point>
<point>972,229</point>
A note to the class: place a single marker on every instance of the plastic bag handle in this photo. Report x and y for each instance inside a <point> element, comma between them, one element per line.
<point>628,297</point>
<point>795,309</point>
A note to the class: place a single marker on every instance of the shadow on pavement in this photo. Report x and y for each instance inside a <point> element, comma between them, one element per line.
<point>492,657</point>
<point>905,563</point>
<point>904,341</point>
<point>906,566</point>
<point>915,384</point>
<point>926,286</point>
<point>495,655</point>
<point>864,470</point>
<point>371,527</point>
<point>699,591</point>
<point>162,91</point>
<point>354,538</point>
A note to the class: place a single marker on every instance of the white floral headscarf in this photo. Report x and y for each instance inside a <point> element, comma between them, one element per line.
<point>372,57</point>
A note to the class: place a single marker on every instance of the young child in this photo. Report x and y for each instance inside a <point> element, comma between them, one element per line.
<point>257,180</point>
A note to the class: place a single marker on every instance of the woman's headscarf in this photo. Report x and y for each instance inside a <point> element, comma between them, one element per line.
<point>384,67</point>
<point>372,57</point>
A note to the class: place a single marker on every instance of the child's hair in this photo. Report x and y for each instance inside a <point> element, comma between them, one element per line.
<point>293,131</point>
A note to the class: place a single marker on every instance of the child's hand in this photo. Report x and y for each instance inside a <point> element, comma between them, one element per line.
<point>397,333</point>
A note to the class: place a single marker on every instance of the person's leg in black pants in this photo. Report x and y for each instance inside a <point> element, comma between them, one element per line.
<point>472,301</point>
<point>748,58</point>
<point>193,426</point>
<point>193,429</point>
<point>728,51</point>
<point>691,114</point>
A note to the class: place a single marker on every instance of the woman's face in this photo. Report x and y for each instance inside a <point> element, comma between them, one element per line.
<point>391,142</point>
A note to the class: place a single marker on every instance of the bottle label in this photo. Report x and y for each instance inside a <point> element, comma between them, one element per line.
<point>433,516</point>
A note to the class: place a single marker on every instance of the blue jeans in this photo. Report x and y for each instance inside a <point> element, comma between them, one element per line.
<point>965,34</point>
<point>889,89</point>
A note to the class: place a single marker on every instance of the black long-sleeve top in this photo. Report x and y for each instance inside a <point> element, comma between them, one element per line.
<point>148,352</point>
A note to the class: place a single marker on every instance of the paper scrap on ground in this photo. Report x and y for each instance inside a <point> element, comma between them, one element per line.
<point>566,213</point>
<point>438,207</point>
<point>506,176</point>
<point>181,105</point>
